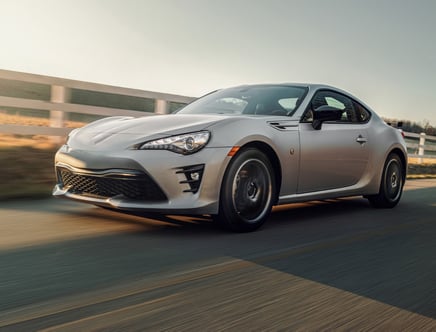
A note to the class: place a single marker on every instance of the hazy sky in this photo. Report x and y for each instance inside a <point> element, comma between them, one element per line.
<point>382,51</point>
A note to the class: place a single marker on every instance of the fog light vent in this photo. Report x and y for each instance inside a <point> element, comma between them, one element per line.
<point>193,175</point>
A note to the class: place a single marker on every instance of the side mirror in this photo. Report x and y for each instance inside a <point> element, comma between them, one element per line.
<point>325,113</point>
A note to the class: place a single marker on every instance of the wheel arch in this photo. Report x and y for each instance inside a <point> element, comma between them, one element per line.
<point>384,198</point>
<point>403,157</point>
<point>273,158</point>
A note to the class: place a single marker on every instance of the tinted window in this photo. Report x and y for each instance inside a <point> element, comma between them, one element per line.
<point>363,115</point>
<point>257,100</point>
<point>352,111</point>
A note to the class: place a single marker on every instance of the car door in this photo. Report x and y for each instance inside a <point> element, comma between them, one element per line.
<point>336,155</point>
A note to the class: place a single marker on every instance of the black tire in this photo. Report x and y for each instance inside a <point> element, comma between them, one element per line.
<point>391,185</point>
<point>247,192</point>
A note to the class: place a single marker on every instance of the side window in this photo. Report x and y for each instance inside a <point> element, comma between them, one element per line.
<point>363,115</point>
<point>334,103</point>
<point>352,112</point>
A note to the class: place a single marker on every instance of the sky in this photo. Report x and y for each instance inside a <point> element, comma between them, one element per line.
<point>382,51</point>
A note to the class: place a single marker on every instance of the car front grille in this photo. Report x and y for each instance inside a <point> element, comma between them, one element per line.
<point>109,183</point>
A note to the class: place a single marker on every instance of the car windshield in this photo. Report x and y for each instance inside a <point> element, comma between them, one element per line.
<point>256,100</point>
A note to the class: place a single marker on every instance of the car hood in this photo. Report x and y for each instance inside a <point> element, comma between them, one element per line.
<point>124,132</point>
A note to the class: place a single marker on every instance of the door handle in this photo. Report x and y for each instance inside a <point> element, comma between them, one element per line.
<point>360,139</point>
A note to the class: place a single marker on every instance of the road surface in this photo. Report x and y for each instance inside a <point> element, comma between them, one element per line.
<point>325,265</point>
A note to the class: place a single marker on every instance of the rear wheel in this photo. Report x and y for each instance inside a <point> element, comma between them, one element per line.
<point>247,192</point>
<point>391,186</point>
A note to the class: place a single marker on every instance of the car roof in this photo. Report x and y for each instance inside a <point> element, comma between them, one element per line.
<point>311,86</point>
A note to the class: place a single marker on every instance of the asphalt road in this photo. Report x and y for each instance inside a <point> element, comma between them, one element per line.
<point>330,265</point>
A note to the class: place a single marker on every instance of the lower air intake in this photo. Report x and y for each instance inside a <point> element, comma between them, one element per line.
<point>105,184</point>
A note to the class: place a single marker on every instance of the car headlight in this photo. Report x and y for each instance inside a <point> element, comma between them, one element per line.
<point>183,144</point>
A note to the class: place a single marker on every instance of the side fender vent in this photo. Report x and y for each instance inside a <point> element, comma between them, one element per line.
<point>284,125</point>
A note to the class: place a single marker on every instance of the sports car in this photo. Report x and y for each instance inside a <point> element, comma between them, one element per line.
<point>235,153</point>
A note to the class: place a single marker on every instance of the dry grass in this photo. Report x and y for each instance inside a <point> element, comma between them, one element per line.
<point>26,161</point>
<point>10,141</point>
<point>26,172</point>
<point>40,142</point>
<point>33,121</point>
<point>424,161</point>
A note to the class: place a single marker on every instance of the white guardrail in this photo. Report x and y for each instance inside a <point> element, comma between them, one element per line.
<point>59,105</point>
<point>425,146</point>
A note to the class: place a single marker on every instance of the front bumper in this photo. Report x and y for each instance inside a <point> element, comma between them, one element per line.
<point>149,181</point>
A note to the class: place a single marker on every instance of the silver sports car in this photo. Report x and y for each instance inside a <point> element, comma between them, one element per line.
<point>235,153</point>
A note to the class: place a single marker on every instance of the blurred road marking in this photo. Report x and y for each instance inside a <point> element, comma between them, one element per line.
<point>117,315</point>
<point>70,303</point>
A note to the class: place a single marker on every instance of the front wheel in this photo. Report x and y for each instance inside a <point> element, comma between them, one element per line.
<point>247,192</point>
<point>391,186</point>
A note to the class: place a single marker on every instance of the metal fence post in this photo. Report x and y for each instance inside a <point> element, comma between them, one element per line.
<point>161,106</point>
<point>421,147</point>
